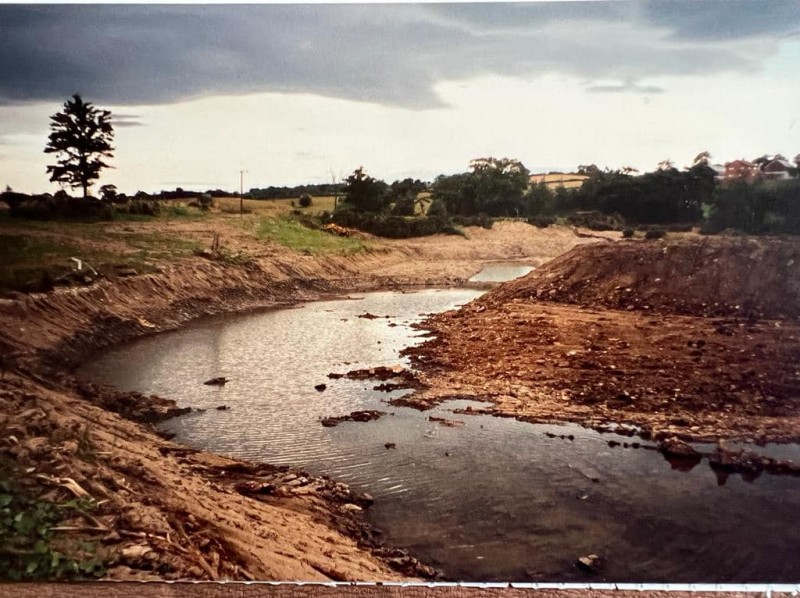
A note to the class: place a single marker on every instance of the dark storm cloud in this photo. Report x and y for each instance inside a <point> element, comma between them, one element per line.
<point>389,54</point>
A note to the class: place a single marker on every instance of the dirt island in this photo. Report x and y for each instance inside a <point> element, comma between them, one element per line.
<point>696,338</point>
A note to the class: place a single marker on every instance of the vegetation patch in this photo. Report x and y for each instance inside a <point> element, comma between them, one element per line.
<point>291,233</point>
<point>31,547</point>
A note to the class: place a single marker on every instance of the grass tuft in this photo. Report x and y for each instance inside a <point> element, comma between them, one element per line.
<point>292,234</point>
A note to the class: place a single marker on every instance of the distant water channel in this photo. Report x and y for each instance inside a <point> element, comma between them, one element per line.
<point>495,499</point>
<point>501,272</point>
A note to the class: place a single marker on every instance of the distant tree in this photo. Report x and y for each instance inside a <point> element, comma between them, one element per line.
<point>701,158</point>
<point>365,193</point>
<point>108,192</point>
<point>762,161</point>
<point>588,169</point>
<point>81,138</point>
<point>405,196</point>
<point>495,187</point>
<point>666,164</point>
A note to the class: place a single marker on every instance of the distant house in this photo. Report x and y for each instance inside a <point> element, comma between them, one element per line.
<point>776,169</point>
<point>719,169</point>
<point>553,180</point>
<point>740,169</point>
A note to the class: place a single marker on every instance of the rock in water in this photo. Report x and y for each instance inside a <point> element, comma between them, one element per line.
<point>320,387</point>
<point>218,381</point>
<point>589,563</point>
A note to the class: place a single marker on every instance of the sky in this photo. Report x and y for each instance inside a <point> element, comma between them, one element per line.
<point>303,93</point>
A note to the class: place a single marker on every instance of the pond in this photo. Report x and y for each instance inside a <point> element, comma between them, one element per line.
<point>492,499</point>
<point>501,272</point>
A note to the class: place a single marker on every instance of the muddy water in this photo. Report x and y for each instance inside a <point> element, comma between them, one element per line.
<point>494,499</point>
<point>501,272</point>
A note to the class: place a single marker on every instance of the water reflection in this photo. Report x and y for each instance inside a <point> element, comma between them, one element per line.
<point>493,499</point>
<point>501,272</point>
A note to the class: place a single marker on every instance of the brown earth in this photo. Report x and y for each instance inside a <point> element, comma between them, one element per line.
<point>168,512</point>
<point>694,338</point>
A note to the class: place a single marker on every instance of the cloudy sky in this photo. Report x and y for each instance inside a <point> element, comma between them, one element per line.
<point>291,93</point>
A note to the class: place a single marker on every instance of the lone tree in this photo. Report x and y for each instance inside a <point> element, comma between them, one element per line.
<point>81,136</point>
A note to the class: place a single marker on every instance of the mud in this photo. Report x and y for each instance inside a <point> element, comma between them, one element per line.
<point>728,370</point>
<point>167,512</point>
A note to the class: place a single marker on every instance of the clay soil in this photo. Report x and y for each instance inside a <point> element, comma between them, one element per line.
<point>164,511</point>
<point>696,338</point>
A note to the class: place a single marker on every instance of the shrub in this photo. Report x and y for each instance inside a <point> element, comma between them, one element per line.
<point>628,233</point>
<point>205,201</point>
<point>541,220</point>
<point>481,220</point>
<point>58,207</point>
<point>394,227</point>
<point>595,220</point>
<point>655,233</point>
<point>305,201</point>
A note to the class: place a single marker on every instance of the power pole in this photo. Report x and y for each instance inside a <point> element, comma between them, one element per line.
<point>335,191</point>
<point>241,192</point>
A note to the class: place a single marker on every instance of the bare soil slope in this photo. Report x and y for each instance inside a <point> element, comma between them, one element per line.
<point>693,276</point>
<point>166,511</point>
<point>686,338</point>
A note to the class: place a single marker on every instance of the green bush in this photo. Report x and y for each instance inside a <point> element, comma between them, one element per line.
<point>481,220</point>
<point>58,207</point>
<point>205,201</point>
<point>305,201</point>
<point>26,537</point>
<point>595,220</point>
<point>394,227</point>
<point>541,220</point>
<point>628,233</point>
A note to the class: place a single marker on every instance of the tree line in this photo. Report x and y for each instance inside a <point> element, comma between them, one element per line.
<point>81,138</point>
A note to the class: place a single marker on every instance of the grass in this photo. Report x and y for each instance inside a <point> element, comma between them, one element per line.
<point>34,253</point>
<point>274,207</point>
<point>27,250</point>
<point>294,235</point>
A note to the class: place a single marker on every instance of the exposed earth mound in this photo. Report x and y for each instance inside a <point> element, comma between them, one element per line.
<point>693,338</point>
<point>693,276</point>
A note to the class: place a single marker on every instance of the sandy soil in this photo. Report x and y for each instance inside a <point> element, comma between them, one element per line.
<point>172,513</point>
<point>697,339</point>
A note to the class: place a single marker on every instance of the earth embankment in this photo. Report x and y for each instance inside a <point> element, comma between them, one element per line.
<point>695,338</point>
<point>711,276</point>
<point>163,511</point>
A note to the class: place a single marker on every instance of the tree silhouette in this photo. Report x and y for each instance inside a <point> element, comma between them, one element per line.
<point>81,137</point>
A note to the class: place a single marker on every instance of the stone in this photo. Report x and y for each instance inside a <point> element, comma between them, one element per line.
<point>589,563</point>
<point>320,387</point>
<point>218,381</point>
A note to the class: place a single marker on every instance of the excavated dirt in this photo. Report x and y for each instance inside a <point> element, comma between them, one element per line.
<point>696,339</point>
<point>168,512</point>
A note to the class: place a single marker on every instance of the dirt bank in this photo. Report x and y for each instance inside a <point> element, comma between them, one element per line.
<point>693,338</point>
<point>165,511</point>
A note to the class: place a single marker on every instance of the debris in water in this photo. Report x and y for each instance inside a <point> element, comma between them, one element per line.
<point>589,563</point>
<point>355,416</point>
<point>320,387</point>
<point>218,381</point>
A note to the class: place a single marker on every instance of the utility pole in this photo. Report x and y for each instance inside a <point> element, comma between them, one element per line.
<point>241,192</point>
<point>334,181</point>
